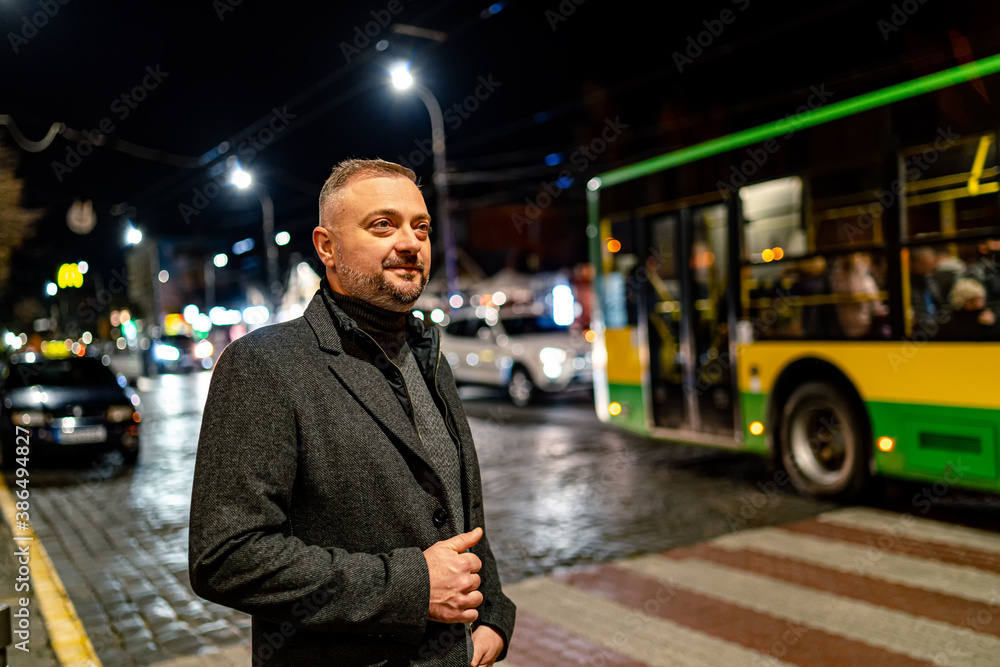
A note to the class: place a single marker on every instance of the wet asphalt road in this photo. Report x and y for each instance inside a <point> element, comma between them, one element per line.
<point>560,489</point>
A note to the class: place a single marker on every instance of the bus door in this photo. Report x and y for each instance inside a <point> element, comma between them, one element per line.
<point>690,371</point>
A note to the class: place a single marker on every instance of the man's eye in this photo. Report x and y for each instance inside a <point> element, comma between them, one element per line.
<point>382,223</point>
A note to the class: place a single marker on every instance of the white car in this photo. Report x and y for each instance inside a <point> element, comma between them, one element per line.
<point>523,352</point>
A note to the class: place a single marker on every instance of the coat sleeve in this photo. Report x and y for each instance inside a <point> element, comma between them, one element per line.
<point>242,551</point>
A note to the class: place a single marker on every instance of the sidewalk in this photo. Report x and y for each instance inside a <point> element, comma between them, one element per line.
<point>40,653</point>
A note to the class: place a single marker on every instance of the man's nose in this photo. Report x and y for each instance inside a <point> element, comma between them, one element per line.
<point>407,241</point>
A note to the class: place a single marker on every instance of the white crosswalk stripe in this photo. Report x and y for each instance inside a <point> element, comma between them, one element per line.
<point>959,580</point>
<point>918,528</point>
<point>896,631</point>
<point>626,631</point>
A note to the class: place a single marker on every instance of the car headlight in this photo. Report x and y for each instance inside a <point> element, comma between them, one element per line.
<point>28,417</point>
<point>552,356</point>
<point>203,349</point>
<point>120,413</point>
<point>167,353</point>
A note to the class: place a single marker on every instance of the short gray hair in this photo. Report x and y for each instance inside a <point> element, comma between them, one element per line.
<point>345,170</point>
<point>965,290</point>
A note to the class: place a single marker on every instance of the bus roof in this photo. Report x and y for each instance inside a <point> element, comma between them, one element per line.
<point>818,116</point>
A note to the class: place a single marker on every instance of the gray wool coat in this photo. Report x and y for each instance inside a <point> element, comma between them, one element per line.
<point>313,501</point>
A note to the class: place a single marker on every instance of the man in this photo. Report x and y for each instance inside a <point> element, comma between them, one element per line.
<point>337,489</point>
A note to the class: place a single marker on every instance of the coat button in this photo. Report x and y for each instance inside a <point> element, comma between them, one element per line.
<point>440,516</point>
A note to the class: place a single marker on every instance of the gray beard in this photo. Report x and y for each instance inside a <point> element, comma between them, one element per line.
<point>376,290</point>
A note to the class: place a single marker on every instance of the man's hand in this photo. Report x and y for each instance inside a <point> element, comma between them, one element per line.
<point>488,645</point>
<point>454,582</point>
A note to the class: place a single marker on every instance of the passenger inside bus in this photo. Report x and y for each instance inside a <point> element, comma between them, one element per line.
<point>969,318</point>
<point>859,305</point>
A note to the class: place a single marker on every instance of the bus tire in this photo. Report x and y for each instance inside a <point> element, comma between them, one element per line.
<point>823,442</point>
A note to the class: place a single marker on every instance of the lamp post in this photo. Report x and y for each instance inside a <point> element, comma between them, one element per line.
<point>243,180</point>
<point>403,80</point>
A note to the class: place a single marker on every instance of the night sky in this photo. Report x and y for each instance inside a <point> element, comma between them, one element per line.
<point>294,88</point>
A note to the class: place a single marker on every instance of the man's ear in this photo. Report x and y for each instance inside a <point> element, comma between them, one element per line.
<point>324,245</point>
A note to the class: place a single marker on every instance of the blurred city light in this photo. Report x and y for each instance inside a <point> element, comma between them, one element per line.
<point>87,338</point>
<point>552,159</point>
<point>221,259</point>
<point>82,267</point>
<point>382,45</point>
<point>240,247</point>
<point>563,305</point>
<point>418,314</point>
<point>499,298</point>
<point>437,315</point>
<point>163,276</point>
<point>203,349</point>
<point>282,238</point>
<point>29,357</point>
<point>241,178</point>
<point>202,323</point>
<point>51,289</point>
<point>255,314</point>
<point>496,8</point>
<point>594,183</point>
<point>401,77</point>
<point>456,301</point>
<point>132,235</point>
<point>222,317</point>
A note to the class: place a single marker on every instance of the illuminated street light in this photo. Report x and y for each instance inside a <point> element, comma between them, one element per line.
<point>241,178</point>
<point>401,77</point>
<point>403,80</point>
<point>132,235</point>
<point>51,289</point>
<point>82,267</point>
<point>282,238</point>
<point>163,276</point>
<point>221,260</point>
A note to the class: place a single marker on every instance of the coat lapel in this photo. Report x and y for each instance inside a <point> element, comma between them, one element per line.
<point>364,381</point>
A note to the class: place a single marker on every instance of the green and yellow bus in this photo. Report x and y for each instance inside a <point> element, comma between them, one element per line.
<point>823,288</point>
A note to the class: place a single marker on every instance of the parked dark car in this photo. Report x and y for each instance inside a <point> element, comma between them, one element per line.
<point>68,406</point>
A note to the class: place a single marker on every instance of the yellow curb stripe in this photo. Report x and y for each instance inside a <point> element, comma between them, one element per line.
<point>66,634</point>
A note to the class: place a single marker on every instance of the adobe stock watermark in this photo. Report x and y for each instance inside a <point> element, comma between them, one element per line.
<point>122,107</point>
<point>758,157</point>
<point>898,17</point>
<point>913,167</point>
<point>562,12</point>
<point>923,501</point>
<point>697,43</point>
<point>581,159</point>
<point>47,10</point>
<point>223,7</point>
<point>247,149</point>
<point>366,33</point>
<point>454,115</point>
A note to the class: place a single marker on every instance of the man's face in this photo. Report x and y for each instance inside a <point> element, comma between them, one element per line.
<point>381,253</point>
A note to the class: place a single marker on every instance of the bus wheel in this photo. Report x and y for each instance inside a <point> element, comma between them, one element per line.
<point>822,442</point>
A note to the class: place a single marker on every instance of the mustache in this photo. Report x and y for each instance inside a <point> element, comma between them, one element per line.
<point>403,263</point>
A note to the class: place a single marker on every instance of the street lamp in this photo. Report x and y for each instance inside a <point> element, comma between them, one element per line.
<point>403,80</point>
<point>243,180</point>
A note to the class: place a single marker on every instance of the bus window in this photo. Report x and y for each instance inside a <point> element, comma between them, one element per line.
<point>954,290</point>
<point>951,187</point>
